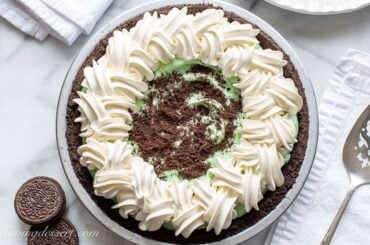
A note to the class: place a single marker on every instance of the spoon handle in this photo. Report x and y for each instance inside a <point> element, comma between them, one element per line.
<point>329,234</point>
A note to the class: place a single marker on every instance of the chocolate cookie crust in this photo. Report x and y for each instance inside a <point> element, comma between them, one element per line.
<point>266,205</point>
<point>40,200</point>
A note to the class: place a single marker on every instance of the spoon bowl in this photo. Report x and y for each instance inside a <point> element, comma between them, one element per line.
<point>356,161</point>
<point>356,149</point>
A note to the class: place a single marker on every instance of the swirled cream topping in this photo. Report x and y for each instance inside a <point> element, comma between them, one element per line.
<point>115,82</point>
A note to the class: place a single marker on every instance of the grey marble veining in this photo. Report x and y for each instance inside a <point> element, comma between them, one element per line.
<point>32,72</point>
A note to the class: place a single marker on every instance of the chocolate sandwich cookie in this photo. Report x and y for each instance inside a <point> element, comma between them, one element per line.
<point>61,232</point>
<point>40,200</point>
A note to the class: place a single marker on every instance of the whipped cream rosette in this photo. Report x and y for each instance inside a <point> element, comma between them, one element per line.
<point>115,82</point>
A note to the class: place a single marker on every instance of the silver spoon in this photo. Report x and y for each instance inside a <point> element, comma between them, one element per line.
<point>356,161</point>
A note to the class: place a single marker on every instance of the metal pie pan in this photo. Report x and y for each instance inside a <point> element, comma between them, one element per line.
<point>61,125</point>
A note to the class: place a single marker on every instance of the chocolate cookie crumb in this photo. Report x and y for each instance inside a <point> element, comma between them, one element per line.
<point>171,134</point>
<point>40,200</point>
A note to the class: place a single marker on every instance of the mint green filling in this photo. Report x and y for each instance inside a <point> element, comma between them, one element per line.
<point>170,175</point>
<point>84,90</point>
<point>258,46</point>
<point>168,226</point>
<point>223,156</point>
<point>213,132</point>
<point>238,124</point>
<point>183,67</point>
<point>295,121</point>
<point>179,66</point>
<point>140,105</point>
<point>114,199</point>
<point>135,146</point>
<point>240,210</point>
<point>92,172</point>
<point>216,134</point>
<point>230,92</point>
<point>197,99</point>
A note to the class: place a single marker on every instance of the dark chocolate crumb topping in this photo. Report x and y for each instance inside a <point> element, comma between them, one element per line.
<point>160,127</point>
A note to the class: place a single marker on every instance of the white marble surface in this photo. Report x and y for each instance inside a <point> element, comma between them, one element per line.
<point>31,75</point>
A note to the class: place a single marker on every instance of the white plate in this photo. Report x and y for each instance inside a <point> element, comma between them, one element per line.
<point>320,7</point>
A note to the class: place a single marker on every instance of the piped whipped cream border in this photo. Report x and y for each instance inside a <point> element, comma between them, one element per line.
<point>118,78</point>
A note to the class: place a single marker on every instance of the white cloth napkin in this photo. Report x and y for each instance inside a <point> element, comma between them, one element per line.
<point>307,220</point>
<point>63,19</point>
